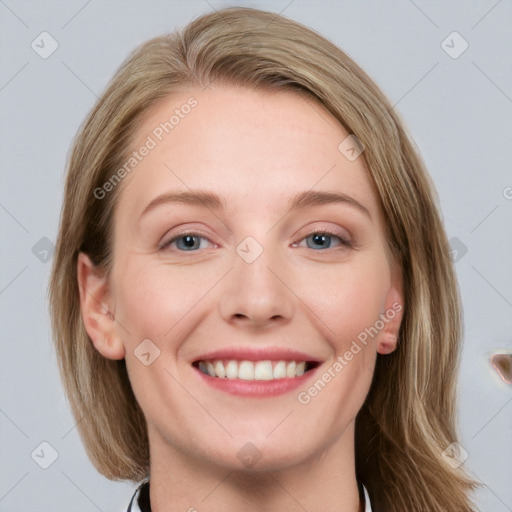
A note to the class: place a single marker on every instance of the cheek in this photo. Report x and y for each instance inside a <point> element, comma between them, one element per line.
<point>346,305</point>
<point>162,304</point>
<point>153,300</point>
<point>348,300</point>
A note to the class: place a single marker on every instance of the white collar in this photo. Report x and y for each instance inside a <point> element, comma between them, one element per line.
<point>367,504</point>
<point>134,504</point>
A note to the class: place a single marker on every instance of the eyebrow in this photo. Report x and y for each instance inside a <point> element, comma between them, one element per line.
<point>214,202</point>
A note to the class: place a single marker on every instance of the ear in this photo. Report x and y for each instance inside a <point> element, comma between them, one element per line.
<point>97,309</point>
<point>392,314</point>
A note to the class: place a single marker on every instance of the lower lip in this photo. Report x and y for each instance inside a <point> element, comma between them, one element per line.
<point>255,388</point>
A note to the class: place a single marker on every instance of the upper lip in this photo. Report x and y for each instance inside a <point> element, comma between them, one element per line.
<point>257,354</point>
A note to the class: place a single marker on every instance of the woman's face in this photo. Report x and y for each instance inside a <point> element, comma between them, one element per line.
<point>247,241</point>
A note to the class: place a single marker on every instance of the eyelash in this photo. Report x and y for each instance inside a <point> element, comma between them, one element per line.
<point>343,241</point>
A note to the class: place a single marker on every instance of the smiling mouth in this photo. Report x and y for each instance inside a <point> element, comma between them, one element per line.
<point>254,370</point>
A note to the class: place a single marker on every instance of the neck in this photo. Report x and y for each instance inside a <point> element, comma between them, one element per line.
<point>181,483</point>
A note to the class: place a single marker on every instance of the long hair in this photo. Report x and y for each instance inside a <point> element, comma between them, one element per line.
<point>408,418</point>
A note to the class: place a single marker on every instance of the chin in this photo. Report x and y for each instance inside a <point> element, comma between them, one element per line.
<point>260,452</point>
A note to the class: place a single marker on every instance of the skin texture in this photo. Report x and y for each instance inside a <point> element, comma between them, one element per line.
<point>255,150</point>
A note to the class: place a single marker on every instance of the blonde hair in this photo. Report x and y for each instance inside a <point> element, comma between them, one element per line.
<point>408,418</point>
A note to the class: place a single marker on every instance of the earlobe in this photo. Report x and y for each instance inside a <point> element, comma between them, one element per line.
<point>392,316</point>
<point>97,310</point>
<point>387,343</point>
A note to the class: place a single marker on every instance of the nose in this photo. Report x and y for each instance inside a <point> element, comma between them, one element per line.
<point>257,294</point>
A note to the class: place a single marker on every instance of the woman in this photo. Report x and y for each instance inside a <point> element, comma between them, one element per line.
<point>253,301</point>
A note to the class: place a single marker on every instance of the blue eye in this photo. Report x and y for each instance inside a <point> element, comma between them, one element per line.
<point>190,242</point>
<point>323,240</point>
<point>187,242</point>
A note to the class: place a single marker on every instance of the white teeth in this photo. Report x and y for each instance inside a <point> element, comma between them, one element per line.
<point>232,370</point>
<point>210,369</point>
<point>219,369</point>
<point>246,370</point>
<point>263,370</point>
<point>290,369</point>
<point>251,370</point>
<point>280,370</point>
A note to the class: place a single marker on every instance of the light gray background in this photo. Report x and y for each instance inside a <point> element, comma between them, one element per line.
<point>458,111</point>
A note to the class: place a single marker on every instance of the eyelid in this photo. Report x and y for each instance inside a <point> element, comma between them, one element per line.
<point>339,232</point>
<point>331,233</point>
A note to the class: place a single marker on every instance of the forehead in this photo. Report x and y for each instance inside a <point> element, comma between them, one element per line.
<point>244,145</point>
